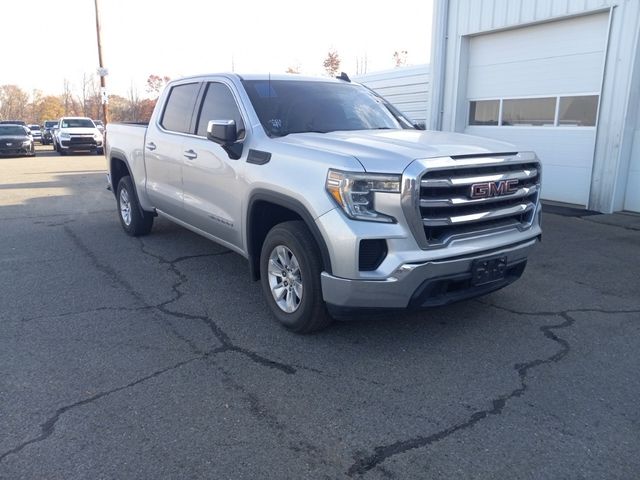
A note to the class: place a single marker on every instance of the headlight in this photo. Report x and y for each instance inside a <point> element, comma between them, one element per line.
<point>354,192</point>
<point>26,143</point>
<point>97,137</point>
<point>65,136</point>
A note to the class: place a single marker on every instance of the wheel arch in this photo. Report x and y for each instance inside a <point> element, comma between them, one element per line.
<point>118,168</point>
<point>267,209</point>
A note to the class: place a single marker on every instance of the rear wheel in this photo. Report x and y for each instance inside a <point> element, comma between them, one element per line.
<point>290,267</point>
<point>134,220</point>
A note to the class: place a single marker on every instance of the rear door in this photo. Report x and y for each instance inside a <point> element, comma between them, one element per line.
<point>164,149</point>
<point>212,190</point>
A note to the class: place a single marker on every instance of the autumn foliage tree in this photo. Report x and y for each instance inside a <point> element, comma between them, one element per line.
<point>331,64</point>
<point>293,69</point>
<point>46,108</point>
<point>78,99</point>
<point>155,84</point>
<point>13,103</point>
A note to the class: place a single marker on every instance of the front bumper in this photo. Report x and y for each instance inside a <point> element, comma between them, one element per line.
<point>80,145</point>
<point>432,283</point>
<point>15,151</point>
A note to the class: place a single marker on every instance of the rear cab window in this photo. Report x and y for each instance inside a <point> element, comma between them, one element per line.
<point>178,109</point>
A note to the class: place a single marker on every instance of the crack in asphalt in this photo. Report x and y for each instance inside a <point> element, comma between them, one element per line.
<point>218,332</point>
<point>364,463</point>
<point>286,434</point>
<point>49,426</point>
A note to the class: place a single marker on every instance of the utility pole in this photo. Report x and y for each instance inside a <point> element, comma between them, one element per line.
<point>102,72</point>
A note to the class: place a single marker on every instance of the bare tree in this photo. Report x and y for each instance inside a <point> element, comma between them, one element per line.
<point>89,96</point>
<point>362,64</point>
<point>331,64</point>
<point>68,101</point>
<point>293,69</point>
<point>134,104</point>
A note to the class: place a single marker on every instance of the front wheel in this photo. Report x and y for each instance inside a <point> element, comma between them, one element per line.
<point>134,220</point>
<point>290,268</point>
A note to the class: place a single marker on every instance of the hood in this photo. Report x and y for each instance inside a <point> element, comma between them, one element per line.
<point>79,131</point>
<point>391,151</point>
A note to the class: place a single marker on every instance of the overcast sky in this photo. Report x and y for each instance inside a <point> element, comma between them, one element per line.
<point>45,41</point>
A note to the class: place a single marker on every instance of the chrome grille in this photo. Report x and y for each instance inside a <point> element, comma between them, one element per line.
<point>445,207</point>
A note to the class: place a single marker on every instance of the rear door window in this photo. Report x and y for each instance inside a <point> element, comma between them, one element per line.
<point>179,108</point>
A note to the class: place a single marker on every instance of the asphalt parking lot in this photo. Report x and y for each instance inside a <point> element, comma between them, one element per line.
<point>157,358</point>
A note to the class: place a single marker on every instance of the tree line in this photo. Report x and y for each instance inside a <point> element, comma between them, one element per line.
<point>86,99</point>
<point>83,101</point>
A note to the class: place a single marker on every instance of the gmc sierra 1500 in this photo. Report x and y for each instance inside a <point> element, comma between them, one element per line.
<point>333,196</point>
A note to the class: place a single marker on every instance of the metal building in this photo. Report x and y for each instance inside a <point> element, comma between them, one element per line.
<point>405,87</point>
<point>561,77</point>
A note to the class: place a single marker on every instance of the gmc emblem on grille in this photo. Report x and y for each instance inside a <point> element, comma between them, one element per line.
<point>493,189</point>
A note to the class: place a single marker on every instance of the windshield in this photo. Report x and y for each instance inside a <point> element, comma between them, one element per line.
<point>49,124</point>
<point>297,106</point>
<point>12,130</point>
<point>77,123</point>
<point>34,127</point>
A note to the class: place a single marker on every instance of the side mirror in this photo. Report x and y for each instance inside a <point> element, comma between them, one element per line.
<point>223,132</point>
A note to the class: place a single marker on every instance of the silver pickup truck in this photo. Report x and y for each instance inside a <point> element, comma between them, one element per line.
<point>337,201</point>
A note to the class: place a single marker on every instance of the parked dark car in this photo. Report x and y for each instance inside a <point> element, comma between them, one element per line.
<point>13,122</point>
<point>47,133</point>
<point>16,140</point>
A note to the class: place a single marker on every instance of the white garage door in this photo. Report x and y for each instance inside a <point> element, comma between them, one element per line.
<point>538,87</point>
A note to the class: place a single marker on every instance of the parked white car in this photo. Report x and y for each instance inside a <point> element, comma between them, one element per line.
<point>77,134</point>
<point>36,132</point>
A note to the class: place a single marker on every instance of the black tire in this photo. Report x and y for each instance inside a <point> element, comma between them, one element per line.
<point>62,152</point>
<point>311,314</point>
<point>138,222</point>
<point>99,151</point>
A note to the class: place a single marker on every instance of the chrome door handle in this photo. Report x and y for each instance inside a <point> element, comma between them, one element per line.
<point>191,155</point>
<point>151,146</point>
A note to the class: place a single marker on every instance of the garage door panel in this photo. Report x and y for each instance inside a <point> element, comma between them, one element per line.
<point>566,75</point>
<point>541,41</point>
<point>566,156</point>
<point>553,59</point>
<point>555,186</point>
